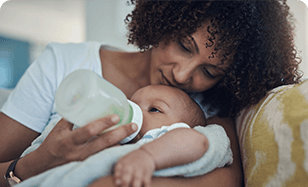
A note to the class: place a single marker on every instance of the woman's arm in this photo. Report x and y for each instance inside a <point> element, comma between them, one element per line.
<point>176,147</point>
<point>14,138</point>
<point>227,176</point>
<point>61,146</point>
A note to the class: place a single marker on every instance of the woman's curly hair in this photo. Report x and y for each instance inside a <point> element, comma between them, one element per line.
<point>257,34</point>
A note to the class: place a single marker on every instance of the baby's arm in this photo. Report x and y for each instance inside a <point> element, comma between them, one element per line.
<point>177,147</point>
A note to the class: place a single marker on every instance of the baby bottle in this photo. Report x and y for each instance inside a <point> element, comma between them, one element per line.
<point>83,97</point>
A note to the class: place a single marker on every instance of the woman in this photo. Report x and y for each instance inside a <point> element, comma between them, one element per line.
<point>231,52</point>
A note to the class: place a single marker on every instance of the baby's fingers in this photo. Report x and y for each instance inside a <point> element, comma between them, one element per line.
<point>142,179</point>
<point>137,183</point>
<point>118,170</point>
<point>147,181</point>
<point>123,176</point>
<point>137,180</point>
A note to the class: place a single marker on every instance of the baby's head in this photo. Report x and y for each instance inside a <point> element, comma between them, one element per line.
<point>164,105</point>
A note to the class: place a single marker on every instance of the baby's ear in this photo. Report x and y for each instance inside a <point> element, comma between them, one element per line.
<point>202,121</point>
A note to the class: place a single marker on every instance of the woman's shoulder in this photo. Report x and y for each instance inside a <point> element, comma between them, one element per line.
<point>68,57</point>
<point>74,48</point>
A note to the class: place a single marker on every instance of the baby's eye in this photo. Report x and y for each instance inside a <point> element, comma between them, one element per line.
<point>154,110</point>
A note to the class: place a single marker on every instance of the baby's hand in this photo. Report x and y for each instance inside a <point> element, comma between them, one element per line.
<point>134,169</point>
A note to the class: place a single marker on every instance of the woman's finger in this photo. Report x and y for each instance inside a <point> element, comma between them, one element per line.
<point>109,138</point>
<point>63,125</point>
<point>85,133</point>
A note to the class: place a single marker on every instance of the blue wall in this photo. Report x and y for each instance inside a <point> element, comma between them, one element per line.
<point>14,60</point>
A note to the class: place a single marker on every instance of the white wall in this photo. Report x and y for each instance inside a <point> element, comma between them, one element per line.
<point>43,21</point>
<point>105,22</point>
<point>300,13</point>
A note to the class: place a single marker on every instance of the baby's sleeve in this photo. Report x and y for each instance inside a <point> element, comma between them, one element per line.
<point>219,154</point>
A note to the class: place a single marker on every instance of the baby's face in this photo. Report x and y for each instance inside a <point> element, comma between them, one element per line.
<point>161,106</point>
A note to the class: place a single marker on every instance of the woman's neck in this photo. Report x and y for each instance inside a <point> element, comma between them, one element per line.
<point>129,71</point>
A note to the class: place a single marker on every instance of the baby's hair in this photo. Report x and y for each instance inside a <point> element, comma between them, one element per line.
<point>198,115</point>
<point>194,111</point>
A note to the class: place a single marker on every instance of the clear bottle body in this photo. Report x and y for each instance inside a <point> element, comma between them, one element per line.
<point>83,97</point>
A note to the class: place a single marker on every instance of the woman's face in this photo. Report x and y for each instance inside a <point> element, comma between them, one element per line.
<point>186,64</point>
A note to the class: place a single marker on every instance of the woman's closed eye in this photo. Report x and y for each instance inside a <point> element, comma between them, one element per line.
<point>186,44</point>
<point>184,47</point>
<point>206,72</point>
<point>153,109</point>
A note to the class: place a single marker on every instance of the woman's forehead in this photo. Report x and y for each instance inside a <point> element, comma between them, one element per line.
<point>209,44</point>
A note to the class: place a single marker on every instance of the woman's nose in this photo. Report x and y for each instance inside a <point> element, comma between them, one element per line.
<point>183,72</point>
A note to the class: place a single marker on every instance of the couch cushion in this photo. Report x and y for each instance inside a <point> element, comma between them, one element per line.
<point>273,137</point>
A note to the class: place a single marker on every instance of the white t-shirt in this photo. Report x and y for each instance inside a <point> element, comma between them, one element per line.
<point>32,101</point>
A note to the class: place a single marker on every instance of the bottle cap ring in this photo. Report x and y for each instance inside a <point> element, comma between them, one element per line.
<point>137,119</point>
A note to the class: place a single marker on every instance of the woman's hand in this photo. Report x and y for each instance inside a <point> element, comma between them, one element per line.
<point>64,145</point>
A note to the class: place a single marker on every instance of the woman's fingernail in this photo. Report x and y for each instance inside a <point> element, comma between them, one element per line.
<point>115,119</point>
<point>134,127</point>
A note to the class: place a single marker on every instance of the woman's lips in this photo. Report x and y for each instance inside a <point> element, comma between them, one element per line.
<point>166,81</point>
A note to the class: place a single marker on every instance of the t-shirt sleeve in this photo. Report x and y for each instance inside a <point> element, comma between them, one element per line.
<point>32,100</point>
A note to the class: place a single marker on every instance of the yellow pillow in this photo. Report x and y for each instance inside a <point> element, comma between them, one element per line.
<point>273,138</point>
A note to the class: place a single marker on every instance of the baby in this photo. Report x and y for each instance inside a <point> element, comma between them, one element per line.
<point>164,108</point>
<point>173,133</point>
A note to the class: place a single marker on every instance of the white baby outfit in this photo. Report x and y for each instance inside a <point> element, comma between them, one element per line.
<point>83,173</point>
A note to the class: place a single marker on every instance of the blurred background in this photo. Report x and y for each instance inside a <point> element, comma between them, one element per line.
<point>27,26</point>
